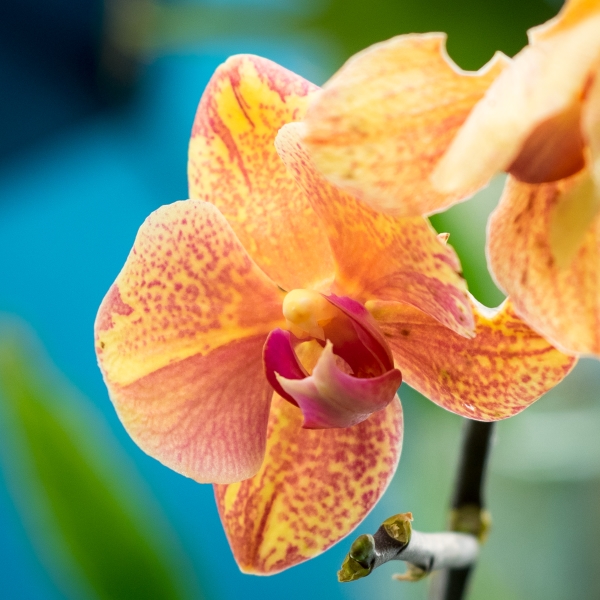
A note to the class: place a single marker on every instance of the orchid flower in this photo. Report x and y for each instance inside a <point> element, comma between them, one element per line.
<point>255,336</point>
<point>405,130</point>
<point>540,122</point>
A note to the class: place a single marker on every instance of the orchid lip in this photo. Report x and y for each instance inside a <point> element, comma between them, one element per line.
<point>280,359</point>
<point>352,377</point>
<point>330,398</point>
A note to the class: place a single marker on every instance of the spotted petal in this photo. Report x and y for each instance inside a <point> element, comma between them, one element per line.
<point>379,256</point>
<point>529,121</point>
<point>233,164</point>
<point>500,372</point>
<point>560,299</point>
<point>387,117</point>
<point>314,488</point>
<point>179,339</point>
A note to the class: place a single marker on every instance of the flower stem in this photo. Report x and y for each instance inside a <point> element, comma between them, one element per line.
<point>468,514</point>
<point>452,552</point>
<point>397,540</point>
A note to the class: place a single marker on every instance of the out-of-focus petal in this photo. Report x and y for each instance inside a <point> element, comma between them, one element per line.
<point>529,107</point>
<point>498,373</point>
<point>572,13</point>
<point>562,301</point>
<point>591,126</point>
<point>234,165</point>
<point>386,118</point>
<point>571,217</point>
<point>379,256</point>
<point>314,488</point>
<point>179,339</point>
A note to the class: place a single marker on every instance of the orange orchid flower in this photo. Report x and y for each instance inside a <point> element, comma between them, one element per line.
<point>406,131</point>
<point>540,122</point>
<point>255,334</point>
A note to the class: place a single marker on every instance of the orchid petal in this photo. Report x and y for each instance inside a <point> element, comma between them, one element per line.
<point>384,120</point>
<point>179,339</point>
<point>571,14</point>
<point>331,398</point>
<point>313,489</point>
<point>533,107</point>
<point>498,373</point>
<point>560,299</point>
<point>205,416</point>
<point>234,165</point>
<point>591,127</point>
<point>417,267</point>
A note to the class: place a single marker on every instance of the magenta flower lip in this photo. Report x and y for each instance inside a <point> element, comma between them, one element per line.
<point>330,397</point>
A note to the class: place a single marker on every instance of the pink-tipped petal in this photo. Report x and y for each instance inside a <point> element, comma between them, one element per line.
<point>330,398</point>
<point>314,487</point>
<point>378,256</point>
<point>205,416</point>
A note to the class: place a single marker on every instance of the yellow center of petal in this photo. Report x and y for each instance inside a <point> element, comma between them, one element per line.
<point>306,312</point>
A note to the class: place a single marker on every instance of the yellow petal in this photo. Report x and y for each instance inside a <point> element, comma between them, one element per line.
<point>498,373</point>
<point>560,301</point>
<point>528,107</point>
<point>377,255</point>
<point>233,164</point>
<point>571,218</point>
<point>179,340</point>
<point>591,126</point>
<point>314,488</point>
<point>385,119</point>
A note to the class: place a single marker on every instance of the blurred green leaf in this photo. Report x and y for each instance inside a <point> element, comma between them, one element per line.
<point>90,517</point>
<point>476,28</point>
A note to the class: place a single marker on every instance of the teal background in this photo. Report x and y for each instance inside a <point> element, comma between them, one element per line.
<point>93,137</point>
